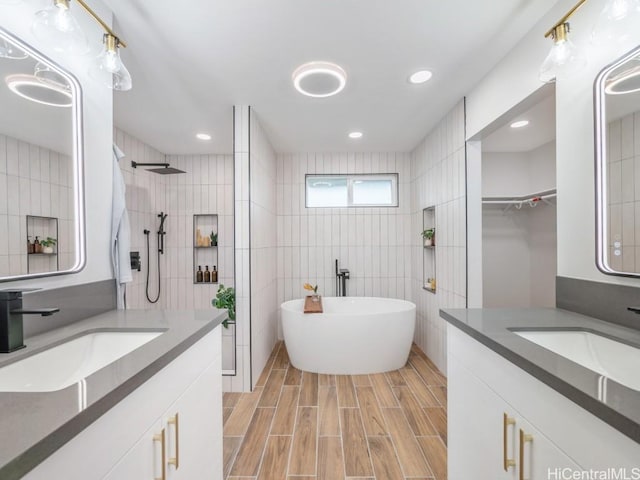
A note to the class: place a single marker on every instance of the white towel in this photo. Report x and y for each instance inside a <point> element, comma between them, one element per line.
<point>120,231</point>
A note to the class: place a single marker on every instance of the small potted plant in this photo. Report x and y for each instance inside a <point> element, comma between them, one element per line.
<point>429,236</point>
<point>214,239</point>
<point>311,288</point>
<point>226,298</point>
<point>47,245</point>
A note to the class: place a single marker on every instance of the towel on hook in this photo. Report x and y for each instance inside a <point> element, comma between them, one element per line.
<point>120,231</point>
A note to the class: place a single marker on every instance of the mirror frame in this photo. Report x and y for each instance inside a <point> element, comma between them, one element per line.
<point>78,162</point>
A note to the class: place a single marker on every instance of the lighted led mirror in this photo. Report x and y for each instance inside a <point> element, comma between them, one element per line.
<point>41,186</point>
<point>617,120</point>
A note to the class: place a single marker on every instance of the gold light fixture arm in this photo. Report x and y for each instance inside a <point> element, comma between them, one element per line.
<point>562,21</point>
<point>102,23</point>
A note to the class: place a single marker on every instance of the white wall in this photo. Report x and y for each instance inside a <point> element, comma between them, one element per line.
<point>513,80</point>
<point>205,188</point>
<point>242,228</point>
<point>264,309</point>
<point>438,178</point>
<point>373,243</point>
<point>98,119</point>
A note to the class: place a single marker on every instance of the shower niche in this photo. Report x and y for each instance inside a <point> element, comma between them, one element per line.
<point>205,249</point>
<point>429,249</point>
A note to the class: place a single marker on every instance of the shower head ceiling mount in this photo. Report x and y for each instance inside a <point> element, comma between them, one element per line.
<point>165,168</point>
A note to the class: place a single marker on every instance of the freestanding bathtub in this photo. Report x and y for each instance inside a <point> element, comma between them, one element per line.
<point>354,335</point>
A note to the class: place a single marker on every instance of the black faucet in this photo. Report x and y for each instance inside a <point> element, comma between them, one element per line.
<point>11,324</point>
<point>342,275</point>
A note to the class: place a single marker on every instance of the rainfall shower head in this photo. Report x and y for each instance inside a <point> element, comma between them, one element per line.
<point>165,170</point>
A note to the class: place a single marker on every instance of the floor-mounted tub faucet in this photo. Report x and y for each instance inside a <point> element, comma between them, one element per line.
<point>342,275</point>
<point>11,322</point>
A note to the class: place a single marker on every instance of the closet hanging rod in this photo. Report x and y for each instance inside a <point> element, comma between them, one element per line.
<point>533,198</point>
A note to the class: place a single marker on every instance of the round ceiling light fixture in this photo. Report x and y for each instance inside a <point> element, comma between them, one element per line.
<point>355,135</point>
<point>420,76</point>
<point>203,136</point>
<point>39,90</point>
<point>319,79</point>
<point>520,124</point>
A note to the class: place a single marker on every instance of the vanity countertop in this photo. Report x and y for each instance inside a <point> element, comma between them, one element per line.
<point>619,407</point>
<point>35,425</point>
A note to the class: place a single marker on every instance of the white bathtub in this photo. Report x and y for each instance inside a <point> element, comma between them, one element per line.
<point>354,335</point>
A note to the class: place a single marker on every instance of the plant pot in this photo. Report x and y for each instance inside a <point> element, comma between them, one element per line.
<point>47,250</point>
<point>428,242</point>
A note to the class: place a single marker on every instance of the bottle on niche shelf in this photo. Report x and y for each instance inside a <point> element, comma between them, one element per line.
<point>207,274</point>
<point>214,275</point>
<point>30,246</point>
<point>37,247</point>
<point>199,274</point>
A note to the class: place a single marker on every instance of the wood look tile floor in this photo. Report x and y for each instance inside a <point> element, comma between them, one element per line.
<point>304,426</point>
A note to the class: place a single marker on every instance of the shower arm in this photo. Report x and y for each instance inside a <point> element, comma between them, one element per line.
<point>138,164</point>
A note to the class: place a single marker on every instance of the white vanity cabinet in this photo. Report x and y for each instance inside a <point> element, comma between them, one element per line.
<point>169,428</point>
<point>484,436</point>
<point>557,434</point>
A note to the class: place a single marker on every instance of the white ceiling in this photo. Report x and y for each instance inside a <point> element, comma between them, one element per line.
<point>540,131</point>
<point>192,61</point>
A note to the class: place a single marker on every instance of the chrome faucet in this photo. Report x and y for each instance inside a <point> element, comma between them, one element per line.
<point>11,321</point>
<point>342,275</point>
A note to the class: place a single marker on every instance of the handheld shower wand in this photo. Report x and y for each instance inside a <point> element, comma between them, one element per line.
<point>161,233</point>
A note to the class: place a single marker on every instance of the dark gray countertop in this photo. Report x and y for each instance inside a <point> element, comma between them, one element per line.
<point>35,425</point>
<point>492,327</point>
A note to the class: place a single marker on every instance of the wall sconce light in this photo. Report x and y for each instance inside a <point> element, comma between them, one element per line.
<point>616,21</point>
<point>564,55</point>
<point>108,67</point>
<point>57,26</point>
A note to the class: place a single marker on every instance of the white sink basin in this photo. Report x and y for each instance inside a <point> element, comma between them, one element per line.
<point>615,360</point>
<point>70,362</point>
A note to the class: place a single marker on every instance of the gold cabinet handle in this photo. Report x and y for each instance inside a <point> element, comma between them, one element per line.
<point>175,421</point>
<point>524,438</point>
<point>506,461</point>
<point>160,438</point>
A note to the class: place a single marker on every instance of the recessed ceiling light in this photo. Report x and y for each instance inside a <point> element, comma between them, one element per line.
<point>203,136</point>
<point>420,76</point>
<point>355,135</point>
<point>520,124</point>
<point>40,90</point>
<point>319,79</point>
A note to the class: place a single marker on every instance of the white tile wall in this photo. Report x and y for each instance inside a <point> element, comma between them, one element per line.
<point>438,178</point>
<point>34,181</point>
<point>242,380</point>
<point>624,192</point>
<point>263,220</point>
<point>206,188</point>
<point>373,243</point>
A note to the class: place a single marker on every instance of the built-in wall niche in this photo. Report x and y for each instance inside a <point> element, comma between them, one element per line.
<point>42,244</point>
<point>205,249</point>
<point>429,249</point>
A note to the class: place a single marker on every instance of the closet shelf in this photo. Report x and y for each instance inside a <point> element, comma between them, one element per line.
<point>532,200</point>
